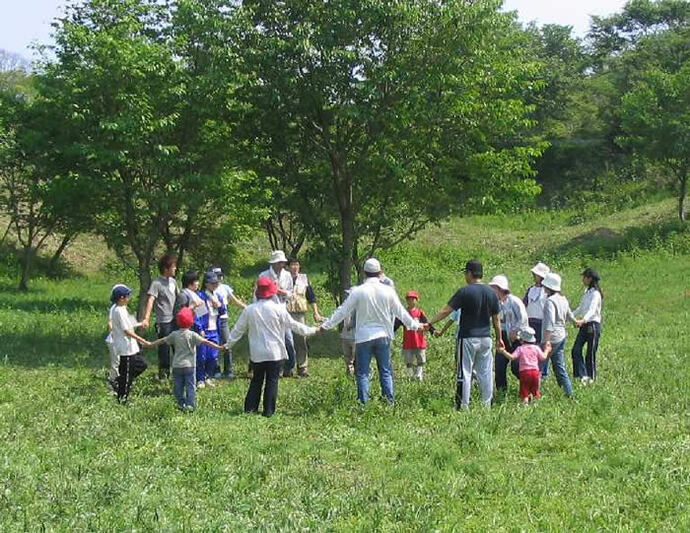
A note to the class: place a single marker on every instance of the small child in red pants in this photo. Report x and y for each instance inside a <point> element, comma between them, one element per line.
<point>529,355</point>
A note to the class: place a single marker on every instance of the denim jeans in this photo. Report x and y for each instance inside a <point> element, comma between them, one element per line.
<point>588,334</point>
<point>558,363</point>
<point>184,388</point>
<point>381,350</point>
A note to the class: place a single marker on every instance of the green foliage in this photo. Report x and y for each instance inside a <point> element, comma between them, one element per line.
<point>377,118</point>
<point>614,459</point>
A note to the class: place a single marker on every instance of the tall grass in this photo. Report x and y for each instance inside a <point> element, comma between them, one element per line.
<point>616,458</point>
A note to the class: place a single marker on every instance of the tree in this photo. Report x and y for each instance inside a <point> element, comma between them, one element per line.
<point>142,91</point>
<point>375,118</point>
<point>656,122</point>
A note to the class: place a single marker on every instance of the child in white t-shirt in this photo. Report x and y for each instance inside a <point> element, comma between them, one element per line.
<point>125,342</point>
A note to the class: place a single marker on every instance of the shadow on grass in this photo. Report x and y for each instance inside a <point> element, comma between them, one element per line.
<point>11,261</point>
<point>606,243</point>
<point>9,300</point>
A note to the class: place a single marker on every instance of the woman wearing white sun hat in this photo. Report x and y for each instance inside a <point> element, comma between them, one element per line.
<point>554,335</point>
<point>513,321</point>
<point>534,301</point>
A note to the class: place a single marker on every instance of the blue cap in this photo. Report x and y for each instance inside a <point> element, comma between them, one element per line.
<point>210,277</point>
<point>118,291</point>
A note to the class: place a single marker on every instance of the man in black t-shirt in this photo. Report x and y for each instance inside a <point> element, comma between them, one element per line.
<point>479,309</point>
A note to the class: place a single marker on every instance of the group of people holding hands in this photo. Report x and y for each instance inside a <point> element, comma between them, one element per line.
<point>192,328</point>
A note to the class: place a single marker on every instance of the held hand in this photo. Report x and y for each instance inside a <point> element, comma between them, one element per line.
<point>282,292</point>
<point>145,323</point>
<point>438,333</point>
<point>318,318</point>
<point>145,343</point>
<point>579,323</point>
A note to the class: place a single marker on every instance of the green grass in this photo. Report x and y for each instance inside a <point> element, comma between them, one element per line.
<point>617,458</point>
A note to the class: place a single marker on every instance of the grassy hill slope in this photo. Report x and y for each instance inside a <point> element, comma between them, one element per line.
<point>615,458</point>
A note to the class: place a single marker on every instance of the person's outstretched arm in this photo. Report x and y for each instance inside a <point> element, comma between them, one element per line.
<point>443,313</point>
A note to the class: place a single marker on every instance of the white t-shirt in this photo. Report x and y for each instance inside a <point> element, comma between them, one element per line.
<point>225,292</point>
<point>123,344</point>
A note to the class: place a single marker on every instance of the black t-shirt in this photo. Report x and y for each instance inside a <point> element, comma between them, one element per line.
<point>477,303</point>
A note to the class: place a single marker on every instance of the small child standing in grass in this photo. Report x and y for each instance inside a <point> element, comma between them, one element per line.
<point>125,340</point>
<point>185,341</point>
<point>529,356</point>
<point>414,342</point>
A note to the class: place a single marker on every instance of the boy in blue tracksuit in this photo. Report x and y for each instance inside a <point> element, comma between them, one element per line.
<point>208,325</point>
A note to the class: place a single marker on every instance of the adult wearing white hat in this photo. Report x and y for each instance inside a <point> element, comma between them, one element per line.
<point>554,335</point>
<point>534,300</point>
<point>282,278</point>
<point>513,320</point>
<point>376,306</point>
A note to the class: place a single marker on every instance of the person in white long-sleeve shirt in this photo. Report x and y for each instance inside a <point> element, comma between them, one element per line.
<point>590,328</point>
<point>267,322</point>
<point>283,279</point>
<point>513,320</point>
<point>376,306</point>
<point>534,300</point>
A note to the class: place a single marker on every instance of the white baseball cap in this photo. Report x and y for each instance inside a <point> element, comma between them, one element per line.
<point>372,266</point>
<point>541,270</point>
<point>501,282</point>
<point>277,256</point>
<point>552,281</point>
<point>527,334</point>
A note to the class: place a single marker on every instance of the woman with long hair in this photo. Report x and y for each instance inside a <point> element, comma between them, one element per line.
<point>590,328</point>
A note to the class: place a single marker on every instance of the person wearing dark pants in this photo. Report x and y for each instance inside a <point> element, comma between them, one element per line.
<point>163,292</point>
<point>501,363</point>
<point>125,342</point>
<point>266,321</point>
<point>131,366</point>
<point>266,375</point>
<point>590,328</point>
<point>586,369</point>
<point>534,300</point>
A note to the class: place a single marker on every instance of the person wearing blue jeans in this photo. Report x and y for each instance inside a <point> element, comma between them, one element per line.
<point>380,349</point>
<point>559,369</point>
<point>376,306</point>
<point>556,313</point>
<point>184,387</point>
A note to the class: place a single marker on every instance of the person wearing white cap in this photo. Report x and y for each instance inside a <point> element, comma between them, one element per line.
<point>513,320</point>
<point>529,356</point>
<point>554,335</point>
<point>376,306</point>
<point>282,277</point>
<point>534,300</point>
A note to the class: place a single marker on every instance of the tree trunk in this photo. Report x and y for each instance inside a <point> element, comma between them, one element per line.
<point>26,264</point>
<point>144,284</point>
<point>347,252</point>
<point>682,194</point>
<point>53,265</point>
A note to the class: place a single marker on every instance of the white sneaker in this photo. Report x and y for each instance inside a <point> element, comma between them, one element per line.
<point>210,383</point>
<point>200,384</point>
<point>419,373</point>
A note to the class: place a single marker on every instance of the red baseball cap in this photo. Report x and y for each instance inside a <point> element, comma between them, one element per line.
<point>185,318</point>
<point>266,288</point>
<point>412,294</point>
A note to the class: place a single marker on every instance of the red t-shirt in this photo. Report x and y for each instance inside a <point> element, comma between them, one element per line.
<point>415,340</point>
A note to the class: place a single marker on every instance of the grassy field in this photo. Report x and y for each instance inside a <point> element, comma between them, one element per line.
<point>616,458</point>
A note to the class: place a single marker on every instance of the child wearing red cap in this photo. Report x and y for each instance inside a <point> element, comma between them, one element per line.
<point>184,341</point>
<point>414,342</point>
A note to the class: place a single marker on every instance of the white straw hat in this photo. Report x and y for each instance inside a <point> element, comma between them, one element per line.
<point>372,266</point>
<point>277,256</point>
<point>552,281</point>
<point>501,282</point>
<point>541,270</point>
<point>527,334</point>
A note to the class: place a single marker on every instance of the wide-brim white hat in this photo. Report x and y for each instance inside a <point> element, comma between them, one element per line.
<point>277,256</point>
<point>552,281</point>
<point>372,266</point>
<point>541,270</point>
<point>527,334</point>
<point>501,282</point>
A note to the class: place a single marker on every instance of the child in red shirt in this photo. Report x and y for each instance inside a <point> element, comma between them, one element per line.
<point>414,342</point>
<point>530,357</point>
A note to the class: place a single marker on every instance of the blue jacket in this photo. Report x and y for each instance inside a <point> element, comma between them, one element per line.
<point>201,322</point>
